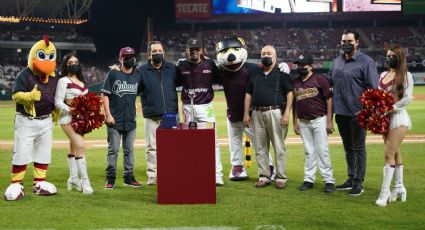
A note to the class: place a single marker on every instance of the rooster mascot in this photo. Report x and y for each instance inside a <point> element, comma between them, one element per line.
<point>235,73</point>
<point>34,92</point>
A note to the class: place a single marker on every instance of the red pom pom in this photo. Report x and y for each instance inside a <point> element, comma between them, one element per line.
<point>86,113</point>
<point>376,108</point>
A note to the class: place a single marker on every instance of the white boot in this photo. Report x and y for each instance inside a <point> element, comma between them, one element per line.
<point>399,189</point>
<point>85,182</point>
<point>384,196</point>
<point>73,175</point>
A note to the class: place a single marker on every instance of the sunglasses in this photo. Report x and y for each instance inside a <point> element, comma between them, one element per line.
<point>391,56</point>
<point>346,41</point>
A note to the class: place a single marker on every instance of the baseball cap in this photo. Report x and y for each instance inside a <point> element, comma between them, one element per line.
<point>194,43</point>
<point>127,51</point>
<point>230,42</point>
<point>304,60</point>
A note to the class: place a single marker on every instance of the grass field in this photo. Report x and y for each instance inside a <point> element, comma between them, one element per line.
<point>239,204</point>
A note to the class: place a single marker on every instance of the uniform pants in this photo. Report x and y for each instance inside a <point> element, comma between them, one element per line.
<point>33,140</point>
<point>205,113</point>
<point>316,149</point>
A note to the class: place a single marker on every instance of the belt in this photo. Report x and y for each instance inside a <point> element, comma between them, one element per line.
<point>42,117</point>
<point>266,108</point>
<point>310,119</point>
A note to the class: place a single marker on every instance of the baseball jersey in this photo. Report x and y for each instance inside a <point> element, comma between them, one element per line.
<point>25,82</point>
<point>310,96</point>
<point>122,90</point>
<point>200,78</point>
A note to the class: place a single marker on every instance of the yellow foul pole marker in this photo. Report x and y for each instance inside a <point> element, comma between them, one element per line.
<point>247,151</point>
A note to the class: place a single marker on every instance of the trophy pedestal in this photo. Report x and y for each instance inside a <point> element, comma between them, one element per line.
<point>186,165</point>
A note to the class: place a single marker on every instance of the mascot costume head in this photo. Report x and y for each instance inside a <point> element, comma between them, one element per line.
<point>42,59</point>
<point>231,53</point>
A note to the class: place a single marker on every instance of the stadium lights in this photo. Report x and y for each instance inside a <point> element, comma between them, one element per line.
<point>13,19</point>
<point>9,19</point>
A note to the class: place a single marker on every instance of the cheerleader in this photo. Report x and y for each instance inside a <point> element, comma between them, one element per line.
<point>70,85</point>
<point>399,83</point>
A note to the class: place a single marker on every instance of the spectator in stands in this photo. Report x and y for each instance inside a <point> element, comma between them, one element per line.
<point>197,75</point>
<point>399,83</point>
<point>70,85</point>
<point>159,96</point>
<point>119,93</point>
<point>313,120</point>
<point>270,93</point>
<point>351,74</point>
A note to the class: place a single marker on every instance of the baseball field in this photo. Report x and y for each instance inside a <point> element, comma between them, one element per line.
<point>239,204</point>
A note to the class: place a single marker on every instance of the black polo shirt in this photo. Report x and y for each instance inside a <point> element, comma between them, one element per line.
<point>269,90</point>
<point>122,90</point>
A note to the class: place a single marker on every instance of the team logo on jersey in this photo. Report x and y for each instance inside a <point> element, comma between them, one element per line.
<point>121,88</point>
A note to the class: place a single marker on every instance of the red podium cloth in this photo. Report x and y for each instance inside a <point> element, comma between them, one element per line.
<point>186,165</point>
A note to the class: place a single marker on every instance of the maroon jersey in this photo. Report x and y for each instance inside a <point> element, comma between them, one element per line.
<point>234,85</point>
<point>198,77</point>
<point>310,96</point>
<point>25,82</point>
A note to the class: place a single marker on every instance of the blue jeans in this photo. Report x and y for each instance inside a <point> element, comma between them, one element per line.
<point>128,138</point>
<point>354,140</point>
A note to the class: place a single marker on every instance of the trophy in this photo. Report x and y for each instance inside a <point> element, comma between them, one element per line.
<point>192,123</point>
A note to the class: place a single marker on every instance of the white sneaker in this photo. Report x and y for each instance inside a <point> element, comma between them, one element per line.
<point>15,191</point>
<point>219,181</point>
<point>151,181</point>
<point>237,173</point>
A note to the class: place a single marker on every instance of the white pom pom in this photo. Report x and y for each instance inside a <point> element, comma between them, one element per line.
<point>14,192</point>
<point>44,188</point>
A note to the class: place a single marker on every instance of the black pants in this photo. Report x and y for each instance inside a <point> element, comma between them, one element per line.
<point>354,140</point>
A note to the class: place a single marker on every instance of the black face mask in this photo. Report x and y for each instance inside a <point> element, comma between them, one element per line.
<point>157,58</point>
<point>266,61</point>
<point>302,71</point>
<point>72,69</point>
<point>128,62</point>
<point>348,48</point>
<point>393,62</point>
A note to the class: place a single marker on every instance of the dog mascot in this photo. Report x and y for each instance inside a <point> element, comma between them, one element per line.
<point>34,92</point>
<point>235,73</point>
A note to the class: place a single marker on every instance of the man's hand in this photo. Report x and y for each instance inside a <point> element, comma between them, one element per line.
<point>35,94</point>
<point>115,67</point>
<point>284,122</point>
<point>284,68</point>
<point>246,120</point>
<point>296,128</point>
<point>329,127</point>
<point>109,120</point>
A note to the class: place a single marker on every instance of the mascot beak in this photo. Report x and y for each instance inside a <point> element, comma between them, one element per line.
<point>45,66</point>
